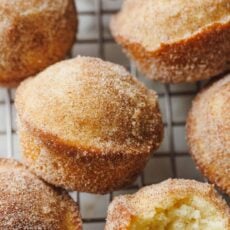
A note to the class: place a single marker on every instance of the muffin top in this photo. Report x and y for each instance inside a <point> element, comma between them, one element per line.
<point>208,131</point>
<point>172,204</point>
<point>162,194</point>
<point>33,35</point>
<point>29,203</point>
<point>89,104</point>
<point>153,23</point>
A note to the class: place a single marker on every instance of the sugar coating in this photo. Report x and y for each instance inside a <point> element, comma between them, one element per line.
<point>154,22</point>
<point>151,201</point>
<point>33,35</point>
<point>82,171</point>
<point>26,202</point>
<point>92,128</point>
<point>208,133</point>
<point>170,40</point>
<point>87,103</point>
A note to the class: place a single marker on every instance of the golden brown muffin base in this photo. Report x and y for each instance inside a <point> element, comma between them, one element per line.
<point>208,133</point>
<point>198,57</point>
<point>29,44</point>
<point>29,203</point>
<point>77,169</point>
<point>125,210</point>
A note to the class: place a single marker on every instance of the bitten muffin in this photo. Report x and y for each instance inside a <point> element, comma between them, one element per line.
<point>208,133</point>
<point>33,35</point>
<point>175,41</point>
<point>87,125</point>
<point>173,205</point>
<point>26,202</point>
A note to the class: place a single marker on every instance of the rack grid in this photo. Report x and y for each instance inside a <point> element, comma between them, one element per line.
<point>171,160</point>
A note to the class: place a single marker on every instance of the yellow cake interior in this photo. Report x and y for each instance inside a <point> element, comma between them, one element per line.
<point>190,213</point>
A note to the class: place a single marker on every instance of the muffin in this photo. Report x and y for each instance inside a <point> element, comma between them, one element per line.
<point>33,35</point>
<point>173,204</point>
<point>175,41</point>
<point>26,202</point>
<point>87,125</point>
<point>208,133</point>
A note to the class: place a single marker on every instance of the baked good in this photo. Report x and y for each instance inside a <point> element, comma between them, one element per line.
<point>173,204</point>
<point>208,132</point>
<point>175,41</point>
<point>87,125</point>
<point>27,202</point>
<point>33,35</point>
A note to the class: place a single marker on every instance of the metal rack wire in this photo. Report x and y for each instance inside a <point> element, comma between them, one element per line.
<point>167,95</point>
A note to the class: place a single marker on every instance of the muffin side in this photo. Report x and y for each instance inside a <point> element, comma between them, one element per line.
<point>208,128</point>
<point>78,169</point>
<point>28,43</point>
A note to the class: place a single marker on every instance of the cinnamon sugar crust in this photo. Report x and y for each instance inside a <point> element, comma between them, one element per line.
<point>170,40</point>
<point>27,202</point>
<point>93,110</point>
<point>172,204</point>
<point>83,171</point>
<point>208,133</point>
<point>33,35</point>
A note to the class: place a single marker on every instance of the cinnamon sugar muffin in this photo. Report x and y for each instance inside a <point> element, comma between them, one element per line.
<point>33,35</point>
<point>87,125</point>
<point>208,133</point>
<point>173,205</point>
<point>26,202</point>
<point>175,41</point>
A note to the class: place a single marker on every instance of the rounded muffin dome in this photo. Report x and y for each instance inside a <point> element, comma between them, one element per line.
<point>91,104</point>
<point>27,202</point>
<point>171,40</point>
<point>172,204</point>
<point>208,127</point>
<point>33,35</point>
<point>87,125</point>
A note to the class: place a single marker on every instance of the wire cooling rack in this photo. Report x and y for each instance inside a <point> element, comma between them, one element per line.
<point>171,160</point>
